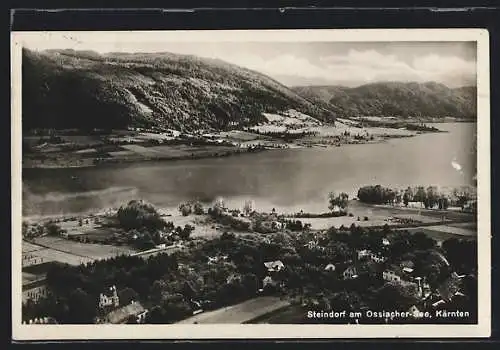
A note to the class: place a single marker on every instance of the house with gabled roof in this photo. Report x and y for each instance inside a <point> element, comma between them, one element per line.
<point>109,298</point>
<point>274,266</point>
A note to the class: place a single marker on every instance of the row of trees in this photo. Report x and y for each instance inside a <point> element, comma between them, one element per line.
<point>429,197</point>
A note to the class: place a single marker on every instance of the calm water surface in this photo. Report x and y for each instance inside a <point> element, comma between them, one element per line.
<point>290,179</point>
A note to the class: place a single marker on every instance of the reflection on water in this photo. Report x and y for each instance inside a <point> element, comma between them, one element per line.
<point>292,179</point>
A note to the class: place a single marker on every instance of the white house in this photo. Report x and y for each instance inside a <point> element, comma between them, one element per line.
<point>34,291</point>
<point>110,299</point>
<point>391,276</point>
<point>408,270</point>
<point>267,281</point>
<point>350,273</point>
<point>364,253</point>
<point>377,258</point>
<point>385,242</point>
<point>273,266</point>
<point>213,259</point>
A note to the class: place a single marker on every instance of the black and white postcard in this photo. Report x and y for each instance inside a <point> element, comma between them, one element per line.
<point>250,184</point>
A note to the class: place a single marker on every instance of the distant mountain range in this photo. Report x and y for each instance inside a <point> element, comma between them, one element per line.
<point>86,90</point>
<point>394,99</point>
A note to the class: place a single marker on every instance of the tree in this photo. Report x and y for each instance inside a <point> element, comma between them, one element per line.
<point>346,300</point>
<point>198,208</point>
<point>157,289</point>
<point>53,229</point>
<point>395,296</point>
<point>138,214</point>
<point>248,207</point>
<point>219,206</point>
<point>127,295</point>
<point>82,308</point>
<point>420,241</point>
<point>145,241</point>
<point>186,232</point>
<point>376,195</point>
<point>407,196</point>
<point>340,201</point>
<point>398,197</point>
<point>431,196</point>
<point>156,315</point>
<point>185,209</point>
<point>420,195</point>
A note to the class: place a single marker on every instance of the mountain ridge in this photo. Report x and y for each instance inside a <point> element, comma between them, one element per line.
<point>86,89</point>
<point>404,99</point>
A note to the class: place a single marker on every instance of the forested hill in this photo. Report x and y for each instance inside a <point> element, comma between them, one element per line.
<point>395,99</point>
<point>82,89</point>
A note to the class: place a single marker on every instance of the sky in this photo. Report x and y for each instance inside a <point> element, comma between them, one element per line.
<point>452,63</point>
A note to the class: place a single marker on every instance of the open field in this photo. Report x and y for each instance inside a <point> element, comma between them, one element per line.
<point>87,250</point>
<point>441,236</point>
<point>100,234</point>
<point>377,216</point>
<point>28,247</point>
<point>29,278</point>
<point>66,258</point>
<point>341,128</point>
<point>203,225</point>
<point>239,136</point>
<point>239,313</point>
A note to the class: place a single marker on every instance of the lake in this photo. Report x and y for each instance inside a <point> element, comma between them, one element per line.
<point>290,179</point>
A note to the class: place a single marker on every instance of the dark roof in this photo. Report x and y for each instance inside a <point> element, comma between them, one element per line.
<point>122,314</point>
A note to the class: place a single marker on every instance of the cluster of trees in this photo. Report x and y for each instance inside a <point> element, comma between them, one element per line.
<point>296,225</point>
<point>191,207</point>
<point>285,135</point>
<point>429,197</point>
<point>49,228</point>
<point>145,228</point>
<point>138,214</point>
<point>340,201</point>
<point>333,214</point>
<point>376,195</point>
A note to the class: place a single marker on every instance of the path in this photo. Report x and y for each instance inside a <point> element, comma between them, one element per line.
<point>239,313</point>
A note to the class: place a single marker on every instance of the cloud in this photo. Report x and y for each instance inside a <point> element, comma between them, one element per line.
<point>356,65</point>
<point>362,67</point>
<point>279,65</point>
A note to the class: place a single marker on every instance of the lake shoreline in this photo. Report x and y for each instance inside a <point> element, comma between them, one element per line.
<point>99,162</point>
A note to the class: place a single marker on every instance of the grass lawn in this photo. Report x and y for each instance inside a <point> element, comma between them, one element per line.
<point>86,250</point>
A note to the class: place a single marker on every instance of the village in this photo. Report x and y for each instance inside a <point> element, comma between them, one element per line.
<point>272,261</point>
